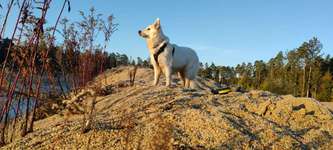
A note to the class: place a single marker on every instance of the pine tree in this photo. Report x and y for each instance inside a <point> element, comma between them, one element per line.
<point>260,73</point>
<point>326,87</point>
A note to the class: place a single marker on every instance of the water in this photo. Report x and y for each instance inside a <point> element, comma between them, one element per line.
<point>23,107</point>
<point>45,89</point>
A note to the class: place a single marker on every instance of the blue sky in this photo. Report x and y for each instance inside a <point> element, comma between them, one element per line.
<point>226,32</point>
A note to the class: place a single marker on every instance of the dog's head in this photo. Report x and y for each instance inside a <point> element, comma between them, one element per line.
<point>152,30</point>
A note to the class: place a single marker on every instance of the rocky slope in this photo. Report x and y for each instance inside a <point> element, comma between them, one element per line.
<point>156,117</point>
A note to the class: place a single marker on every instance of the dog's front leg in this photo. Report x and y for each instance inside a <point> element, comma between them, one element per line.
<point>168,73</point>
<point>157,74</point>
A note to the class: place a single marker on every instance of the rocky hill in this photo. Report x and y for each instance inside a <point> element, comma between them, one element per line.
<point>157,117</point>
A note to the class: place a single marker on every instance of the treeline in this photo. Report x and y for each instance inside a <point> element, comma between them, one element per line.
<point>66,60</point>
<point>302,72</point>
<point>63,63</point>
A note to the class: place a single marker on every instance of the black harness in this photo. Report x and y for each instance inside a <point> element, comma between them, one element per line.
<point>161,50</point>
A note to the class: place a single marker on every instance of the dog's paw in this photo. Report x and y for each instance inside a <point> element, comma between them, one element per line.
<point>189,90</point>
<point>171,86</point>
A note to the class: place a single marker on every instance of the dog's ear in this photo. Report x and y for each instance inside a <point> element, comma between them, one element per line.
<point>157,23</point>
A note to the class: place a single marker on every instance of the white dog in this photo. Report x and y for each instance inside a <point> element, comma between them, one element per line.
<point>169,58</point>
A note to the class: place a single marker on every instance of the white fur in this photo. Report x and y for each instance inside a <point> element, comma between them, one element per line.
<point>184,61</point>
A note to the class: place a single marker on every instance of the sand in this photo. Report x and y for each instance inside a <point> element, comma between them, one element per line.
<point>157,117</point>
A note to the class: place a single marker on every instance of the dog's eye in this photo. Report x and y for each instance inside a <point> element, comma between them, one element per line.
<point>148,29</point>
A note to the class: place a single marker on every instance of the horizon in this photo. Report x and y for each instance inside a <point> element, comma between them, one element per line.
<point>221,32</point>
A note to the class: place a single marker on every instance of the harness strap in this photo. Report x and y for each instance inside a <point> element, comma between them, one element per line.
<point>161,50</point>
<point>173,51</point>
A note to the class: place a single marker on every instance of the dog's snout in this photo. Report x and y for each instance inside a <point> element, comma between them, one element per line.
<point>139,31</point>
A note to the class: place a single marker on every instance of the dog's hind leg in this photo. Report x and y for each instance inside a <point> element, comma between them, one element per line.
<point>194,85</point>
<point>187,83</point>
<point>182,77</point>
<point>190,75</point>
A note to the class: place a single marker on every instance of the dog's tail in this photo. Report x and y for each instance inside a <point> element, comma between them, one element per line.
<point>197,84</point>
